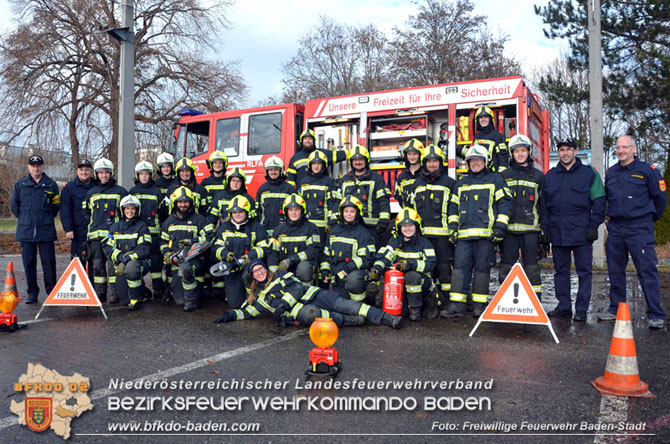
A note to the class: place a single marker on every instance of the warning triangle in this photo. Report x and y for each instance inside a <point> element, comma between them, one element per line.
<point>516,301</point>
<point>73,288</point>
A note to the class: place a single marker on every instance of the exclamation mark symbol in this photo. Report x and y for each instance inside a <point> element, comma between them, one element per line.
<point>72,281</point>
<point>516,293</point>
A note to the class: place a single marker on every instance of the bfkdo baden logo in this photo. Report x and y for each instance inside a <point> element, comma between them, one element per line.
<point>52,400</point>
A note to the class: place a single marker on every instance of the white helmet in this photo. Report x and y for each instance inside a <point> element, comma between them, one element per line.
<point>165,159</point>
<point>130,200</point>
<point>143,165</point>
<point>477,151</point>
<point>103,164</point>
<point>518,141</point>
<point>274,162</point>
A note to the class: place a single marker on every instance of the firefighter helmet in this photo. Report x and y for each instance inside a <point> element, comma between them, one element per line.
<point>217,155</point>
<point>103,165</point>
<point>483,111</point>
<point>359,152</point>
<point>477,151</point>
<point>412,145</point>
<point>407,216</point>
<point>130,200</point>
<point>236,172</point>
<point>432,152</point>
<point>185,163</point>
<point>145,166</point>
<point>307,133</point>
<point>165,159</point>
<point>181,194</point>
<point>274,162</point>
<point>294,200</point>
<point>239,203</point>
<point>351,201</point>
<point>520,140</point>
<point>317,156</point>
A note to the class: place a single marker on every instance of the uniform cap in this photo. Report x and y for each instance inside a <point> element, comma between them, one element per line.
<point>36,159</point>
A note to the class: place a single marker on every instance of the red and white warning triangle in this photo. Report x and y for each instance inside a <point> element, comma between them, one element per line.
<point>516,302</point>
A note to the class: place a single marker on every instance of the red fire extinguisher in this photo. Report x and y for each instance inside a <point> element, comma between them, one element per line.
<point>394,282</point>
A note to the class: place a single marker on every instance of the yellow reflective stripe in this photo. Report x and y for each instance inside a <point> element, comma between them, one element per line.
<point>363,311</point>
<point>296,309</point>
<point>445,287</point>
<point>134,284</point>
<point>413,288</point>
<point>357,297</point>
<point>309,294</point>
<point>302,256</point>
<point>99,280</point>
<point>146,197</point>
<point>288,297</point>
<point>474,232</point>
<point>238,315</point>
<point>478,297</point>
<point>125,236</point>
<point>283,237</point>
<point>458,297</point>
<point>434,231</point>
<point>502,218</point>
<point>500,193</point>
<point>253,311</point>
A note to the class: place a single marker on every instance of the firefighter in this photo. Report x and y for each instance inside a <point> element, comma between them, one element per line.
<point>479,211</point>
<point>636,193</point>
<point>240,238</point>
<point>432,191</point>
<point>151,206</point>
<point>368,187</point>
<point>297,166</point>
<point>235,186</point>
<point>291,302</point>
<point>217,164</point>
<point>101,207</point>
<point>487,136</point>
<point>271,195</point>
<point>349,252</point>
<point>404,182</point>
<point>320,193</point>
<point>186,178</point>
<point>523,231</point>
<point>414,255</point>
<point>128,245</point>
<point>35,202</point>
<point>571,210</point>
<point>184,227</point>
<point>165,174</point>
<point>296,243</point>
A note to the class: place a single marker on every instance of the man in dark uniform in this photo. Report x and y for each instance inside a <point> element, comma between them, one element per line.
<point>637,197</point>
<point>572,207</point>
<point>75,223</point>
<point>35,203</point>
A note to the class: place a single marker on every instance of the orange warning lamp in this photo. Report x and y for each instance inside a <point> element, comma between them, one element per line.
<point>323,359</point>
<point>8,319</point>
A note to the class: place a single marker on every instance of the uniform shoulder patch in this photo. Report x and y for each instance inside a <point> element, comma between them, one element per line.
<point>661,185</point>
<point>653,166</point>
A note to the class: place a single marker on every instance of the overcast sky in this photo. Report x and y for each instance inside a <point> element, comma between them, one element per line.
<point>266,32</point>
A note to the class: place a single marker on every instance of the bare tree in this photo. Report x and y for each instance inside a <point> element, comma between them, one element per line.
<point>445,42</point>
<point>61,73</point>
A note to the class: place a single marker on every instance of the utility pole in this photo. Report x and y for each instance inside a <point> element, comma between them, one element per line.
<point>596,115</point>
<point>126,149</point>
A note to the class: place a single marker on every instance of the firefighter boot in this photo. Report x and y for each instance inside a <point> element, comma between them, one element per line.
<point>457,299</point>
<point>480,293</point>
<point>413,292</point>
<point>190,286</point>
<point>534,276</point>
<point>392,321</point>
<point>134,304</point>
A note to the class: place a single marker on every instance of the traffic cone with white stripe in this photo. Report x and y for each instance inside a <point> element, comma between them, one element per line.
<point>10,280</point>
<point>621,376</point>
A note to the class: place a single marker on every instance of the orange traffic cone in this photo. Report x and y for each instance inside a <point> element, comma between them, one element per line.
<point>621,374</point>
<point>10,280</point>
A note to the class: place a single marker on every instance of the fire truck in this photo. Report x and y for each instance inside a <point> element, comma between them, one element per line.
<point>381,121</point>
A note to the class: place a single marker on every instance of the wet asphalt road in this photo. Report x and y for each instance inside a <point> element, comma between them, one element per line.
<point>535,381</point>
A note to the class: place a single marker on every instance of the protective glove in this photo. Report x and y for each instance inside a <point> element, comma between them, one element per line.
<point>453,237</point>
<point>226,317</point>
<point>285,264</point>
<point>167,259</point>
<point>230,257</point>
<point>404,265</point>
<point>545,237</point>
<point>126,258</point>
<point>372,290</point>
<point>278,315</point>
<point>497,236</point>
<point>591,234</point>
<point>244,261</point>
<point>118,269</point>
<point>325,276</point>
<point>374,274</point>
<point>342,275</point>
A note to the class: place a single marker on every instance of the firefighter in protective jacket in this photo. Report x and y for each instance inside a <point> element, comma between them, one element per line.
<point>296,243</point>
<point>412,254</point>
<point>101,207</point>
<point>523,231</point>
<point>491,139</point>
<point>297,166</point>
<point>165,177</point>
<point>239,239</point>
<point>271,195</point>
<point>479,212</point>
<point>320,193</point>
<point>368,187</point>
<point>432,191</point>
<point>128,245</point>
<point>235,186</point>
<point>404,182</point>
<point>349,252</point>
<point>181,230</point>
<point>186,178</point>
<point>151,203</point>
<point>217,162</point>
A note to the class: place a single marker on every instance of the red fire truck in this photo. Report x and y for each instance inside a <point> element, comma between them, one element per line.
<point>382,121</point>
